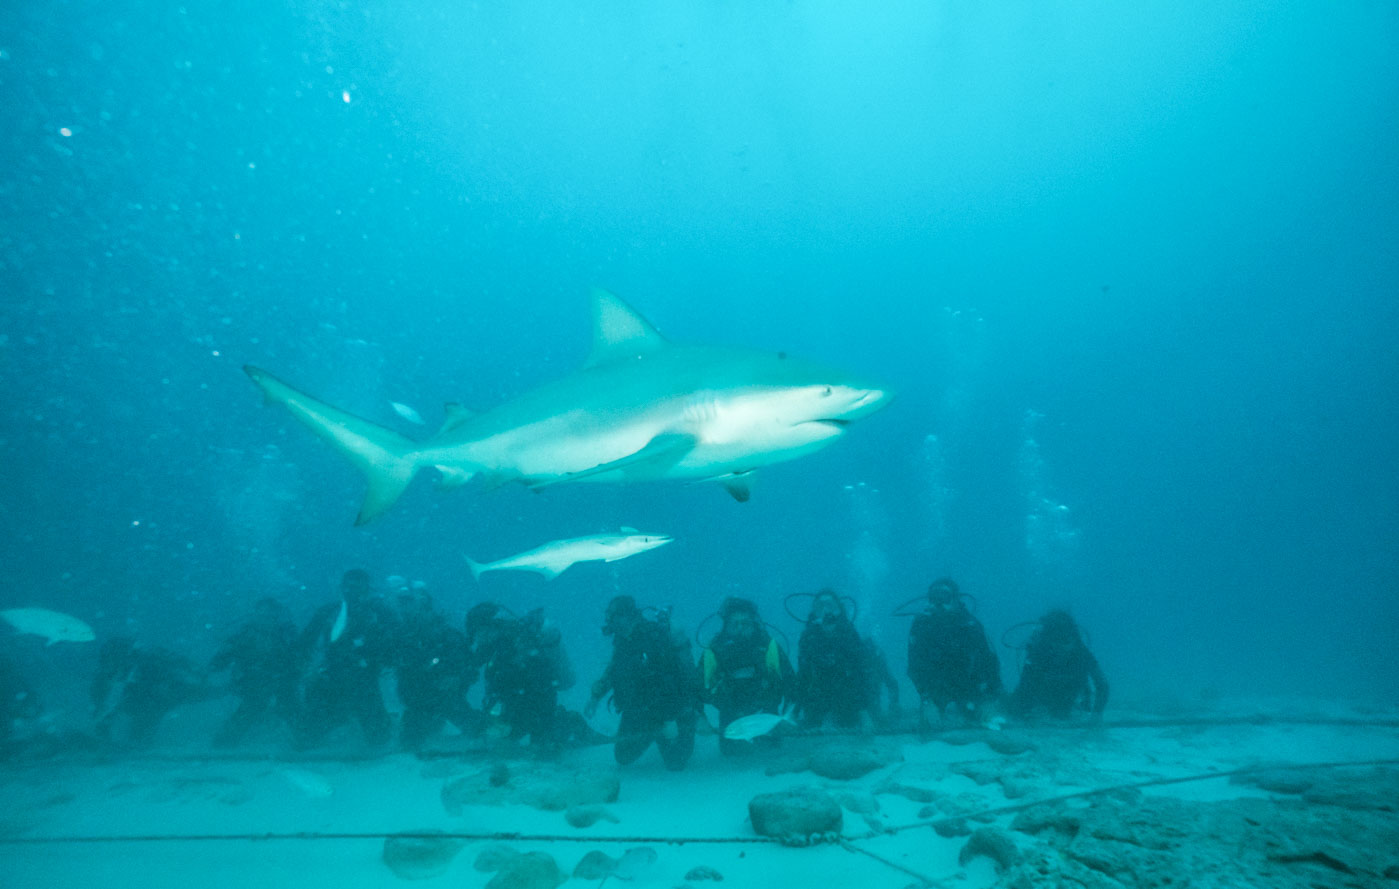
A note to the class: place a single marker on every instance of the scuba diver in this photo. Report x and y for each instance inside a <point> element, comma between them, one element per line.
<point>524,668</point>
<point>651,679</point>
<point>743,670</point>
<point>431,664</point>
<point>1060,672</point>
<point>342,651</point>
<point>262,655</point>
<point>831,665</point>
<point>141,684</point>
<point>950,659</point>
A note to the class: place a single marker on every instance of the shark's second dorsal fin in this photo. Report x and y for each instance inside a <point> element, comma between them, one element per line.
<point>619,332</point>
<point>456,415</point>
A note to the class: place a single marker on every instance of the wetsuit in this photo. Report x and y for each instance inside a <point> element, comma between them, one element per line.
<point>831,673</point>
<point>950,660</point>
<point>262,655</point>
<point>433,679</point>
<point>652,684</point>
<point>341,676</point>
<point>742,676</point>
<point>1060,675</point>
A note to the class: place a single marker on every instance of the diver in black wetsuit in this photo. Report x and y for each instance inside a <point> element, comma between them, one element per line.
<point>1060,673</point>
<point>262,655</point>
<point>433,678</point>
<point>831,664</point>
<point>142,685</point>
<point>949,658</point>
<point>340,662</point>
<point>743,671</point>
<point>524,668</point>
<point>651,679</point>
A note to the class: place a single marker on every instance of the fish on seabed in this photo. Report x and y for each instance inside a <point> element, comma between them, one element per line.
<point>641,409</point>
<point>54,626</point>
<point>746,728</point>
<point>557,556</point>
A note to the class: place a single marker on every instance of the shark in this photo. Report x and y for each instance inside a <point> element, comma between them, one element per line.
<point>54,626</point>
<point>557,556</point>
<point>641,408</point>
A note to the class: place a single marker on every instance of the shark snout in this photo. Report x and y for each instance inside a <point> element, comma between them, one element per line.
<point>866,401</point>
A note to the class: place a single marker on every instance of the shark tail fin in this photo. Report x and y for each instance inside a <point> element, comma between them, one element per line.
<point>477,569</point>
<point>387,459</point>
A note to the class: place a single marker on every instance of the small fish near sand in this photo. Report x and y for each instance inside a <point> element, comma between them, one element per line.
<point>746,728</point>
<point>310,783</point>
<point>557,556</point>
<point>54,626</point>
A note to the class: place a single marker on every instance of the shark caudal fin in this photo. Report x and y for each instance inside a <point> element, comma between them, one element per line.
<point>386,458</point>
<point>477,569</point>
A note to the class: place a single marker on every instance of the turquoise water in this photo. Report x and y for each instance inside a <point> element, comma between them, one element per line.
<point>1129,268</point>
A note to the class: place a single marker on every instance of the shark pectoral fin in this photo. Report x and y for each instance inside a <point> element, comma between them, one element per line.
<point>664,450</point>
<point>386,458</point>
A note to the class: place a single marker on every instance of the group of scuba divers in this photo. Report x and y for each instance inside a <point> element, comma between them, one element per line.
<point>327,674</point>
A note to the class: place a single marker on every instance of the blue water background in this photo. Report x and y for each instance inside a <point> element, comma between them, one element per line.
<point>1131,269</point>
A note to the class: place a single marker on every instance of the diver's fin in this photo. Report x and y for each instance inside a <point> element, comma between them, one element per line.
<point>619,331</point>
<point>666,449</point>
<point>385,457</point>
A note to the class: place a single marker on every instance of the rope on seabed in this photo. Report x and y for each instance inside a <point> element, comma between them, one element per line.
<point>477,751</point>
<point>675,841</point>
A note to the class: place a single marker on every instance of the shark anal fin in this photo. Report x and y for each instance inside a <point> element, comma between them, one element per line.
<point>739,485</point>
<point>664,450</point>
<point>452,477</point>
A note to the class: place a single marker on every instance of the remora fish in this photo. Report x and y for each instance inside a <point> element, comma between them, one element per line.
<point>407,413</point>
<point>52,625</point>
<point>557,556</point>
<point>641,409</point>
<point>746,728</point>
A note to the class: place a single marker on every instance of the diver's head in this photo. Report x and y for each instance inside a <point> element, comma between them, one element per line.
<point>943,593</point>
<point>355,585</point>
<point>621,616</point>
<point>1059,626</point>
<point>826,609</point>
<point>740,617</point>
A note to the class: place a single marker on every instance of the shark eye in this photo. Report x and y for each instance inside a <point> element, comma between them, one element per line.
<point>825,393</point>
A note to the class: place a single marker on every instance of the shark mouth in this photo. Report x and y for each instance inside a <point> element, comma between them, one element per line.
<point>838,425</point>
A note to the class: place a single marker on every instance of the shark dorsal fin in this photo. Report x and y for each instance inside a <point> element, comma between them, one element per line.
<point>619,332</point>
<point>456,415</point>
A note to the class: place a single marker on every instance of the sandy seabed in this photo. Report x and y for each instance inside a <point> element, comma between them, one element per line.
<point>270,821</point>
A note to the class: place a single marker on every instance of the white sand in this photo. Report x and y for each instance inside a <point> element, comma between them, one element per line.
<point>709,799</point>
